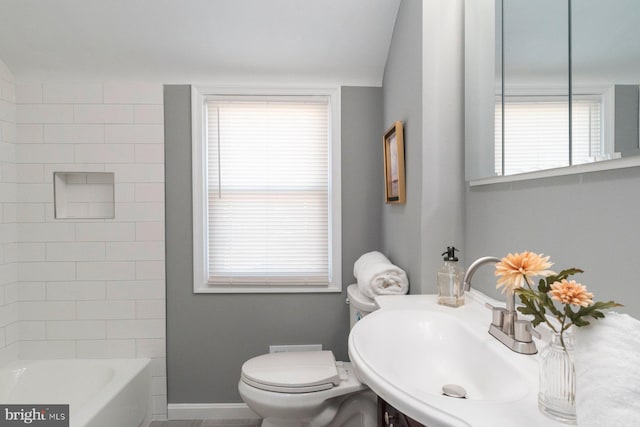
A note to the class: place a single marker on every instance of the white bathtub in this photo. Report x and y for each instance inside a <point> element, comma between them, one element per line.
<point>100,392</point>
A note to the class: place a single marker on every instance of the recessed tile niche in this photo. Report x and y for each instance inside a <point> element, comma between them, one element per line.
<point>83,195</point>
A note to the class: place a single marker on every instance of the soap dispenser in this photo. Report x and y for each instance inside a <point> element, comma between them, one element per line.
<point>450,291</point>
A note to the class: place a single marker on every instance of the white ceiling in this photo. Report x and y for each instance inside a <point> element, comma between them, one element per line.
<point>321,41</point>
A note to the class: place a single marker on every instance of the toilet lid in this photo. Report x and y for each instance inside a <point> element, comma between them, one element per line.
<point>292,372</point>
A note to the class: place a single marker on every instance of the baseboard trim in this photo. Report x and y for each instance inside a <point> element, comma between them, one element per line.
<point>214,411</point>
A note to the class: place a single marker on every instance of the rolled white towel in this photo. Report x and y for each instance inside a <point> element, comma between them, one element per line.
<point>376,275</point>
<point>607,364</point>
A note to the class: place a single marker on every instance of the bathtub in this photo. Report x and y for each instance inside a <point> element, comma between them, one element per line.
<point>100,392</point>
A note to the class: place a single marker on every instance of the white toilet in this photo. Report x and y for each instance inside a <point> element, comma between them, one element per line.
<point>310,388</point>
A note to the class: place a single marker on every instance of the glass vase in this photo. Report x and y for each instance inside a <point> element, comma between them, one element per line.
<point>557,394</point>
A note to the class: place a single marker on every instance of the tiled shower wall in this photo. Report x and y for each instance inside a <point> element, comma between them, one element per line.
<point>92,288</point>
<point>8,228</point>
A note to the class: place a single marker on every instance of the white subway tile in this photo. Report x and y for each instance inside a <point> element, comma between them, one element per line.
<point>135,251</point>
<point>7,91</point>
<point>8,314</point>
<point>103,114</point>
<point>31,291</point>
<point>8,112</point>
<point>136,290</point>
<point>29,134</point>
<point>159,406</point>
<point>131,173</point>
<point>134,134</point>
<point>76,330</point>
<point>106,310</point>
<point>47,310</point>
<point>8,276</point>
<point>7,152</point>
<point>105,270</point>
<point>47,232</point>
<point>9,213</point>
<point>35,193</point>
<point>107,349</point>
<point>154,328</point>
<point>7,192</point>
<point>150,231</point>
<point>149,153</point>
<point>11,290</point>
<point>74,134</point>
<point>8,171</point>
<point>9,132</point>
<point>124,193</point>
<point>5,72</point>
<point>106,231</point>
<point>72,93</point>
<point>31,251</point>
<point>76,251</point>
<point>11,353</point>
<point>9,253</point>
<point>107,153</point>
<point>46,271</point>
<point>29,212</point>
<point>44,113</point>
<point>159,367</point>
<point>149,114</point>
<point>133,93</point>
<point>150,192</point>
<point>144,211</point>
<point>150,309</point>
<point>150,270</point>
<point>159,385</point>
<point>44,153</point>
<point>76,291</point>
<point>30,173</point>
<point>26,331</point>
<point>28,93</point>
<point>39,350</point>
<point>151,348</point>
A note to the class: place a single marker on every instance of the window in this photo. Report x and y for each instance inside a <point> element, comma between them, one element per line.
<point>266,174</point>
<point>536,132</point>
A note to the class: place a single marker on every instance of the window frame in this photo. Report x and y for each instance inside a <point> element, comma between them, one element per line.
<point>199,191</point>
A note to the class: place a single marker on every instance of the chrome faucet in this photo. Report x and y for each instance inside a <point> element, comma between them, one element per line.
<point>505,326</point>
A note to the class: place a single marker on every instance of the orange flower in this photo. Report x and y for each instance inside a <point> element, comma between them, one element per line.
<point>570,292</point>
<point>515,267</point>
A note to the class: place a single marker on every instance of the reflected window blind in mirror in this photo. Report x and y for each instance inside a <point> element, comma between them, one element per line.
<point>536,133</point>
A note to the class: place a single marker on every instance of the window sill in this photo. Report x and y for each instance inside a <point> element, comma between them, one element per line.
<point>628,162</point>
<point>265,289</point>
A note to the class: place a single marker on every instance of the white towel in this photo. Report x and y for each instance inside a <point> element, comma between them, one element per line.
<point>607,364</point>
<point>377,276</point>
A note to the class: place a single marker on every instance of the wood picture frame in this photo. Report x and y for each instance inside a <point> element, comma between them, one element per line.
<point>394,180</point>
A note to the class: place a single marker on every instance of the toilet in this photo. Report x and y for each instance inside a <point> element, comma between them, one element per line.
<point>310,388</point>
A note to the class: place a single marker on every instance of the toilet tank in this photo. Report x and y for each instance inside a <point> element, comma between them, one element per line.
<point>359,304</point>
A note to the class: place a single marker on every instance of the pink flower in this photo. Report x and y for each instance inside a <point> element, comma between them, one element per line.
<point>570,292</point>
<point>514,268</point>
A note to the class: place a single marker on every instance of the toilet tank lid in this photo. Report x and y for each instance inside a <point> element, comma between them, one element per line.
<point>360,300</point>
<point>293,369</point>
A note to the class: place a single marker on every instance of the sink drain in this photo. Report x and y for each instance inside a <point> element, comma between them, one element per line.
<point>454,390</point>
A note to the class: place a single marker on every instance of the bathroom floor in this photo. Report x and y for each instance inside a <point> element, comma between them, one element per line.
<point>206,423</point>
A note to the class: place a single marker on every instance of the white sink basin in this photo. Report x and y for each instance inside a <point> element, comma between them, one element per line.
<point>410,348</point>
<point>433,349</point>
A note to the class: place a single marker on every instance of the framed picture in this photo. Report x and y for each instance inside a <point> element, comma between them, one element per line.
<point>393,145</point>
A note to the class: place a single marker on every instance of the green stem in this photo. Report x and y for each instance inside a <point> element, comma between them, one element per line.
<point>537,304</point>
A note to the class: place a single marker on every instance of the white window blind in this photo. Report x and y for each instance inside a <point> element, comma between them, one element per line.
<point>537,136</point>
<point>268,190</point>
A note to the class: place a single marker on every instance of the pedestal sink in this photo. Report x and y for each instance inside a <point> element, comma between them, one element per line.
<point>407,353</point>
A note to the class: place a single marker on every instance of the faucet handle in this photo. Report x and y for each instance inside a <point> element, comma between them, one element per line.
<point>523,331</point>
<point>497,315</point>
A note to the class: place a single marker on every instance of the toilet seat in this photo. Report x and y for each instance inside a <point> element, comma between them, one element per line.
<point>294,372</point>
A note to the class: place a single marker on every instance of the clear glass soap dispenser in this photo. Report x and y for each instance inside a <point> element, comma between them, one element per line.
<point>450,291</point>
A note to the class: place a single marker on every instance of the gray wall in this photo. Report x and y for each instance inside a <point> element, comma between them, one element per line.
<point>588,221</point>
<point>626,120</point>
<point>210,336</point>
<point>402,89</point>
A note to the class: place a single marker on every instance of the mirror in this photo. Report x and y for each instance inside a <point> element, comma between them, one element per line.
<point>552,60</point>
